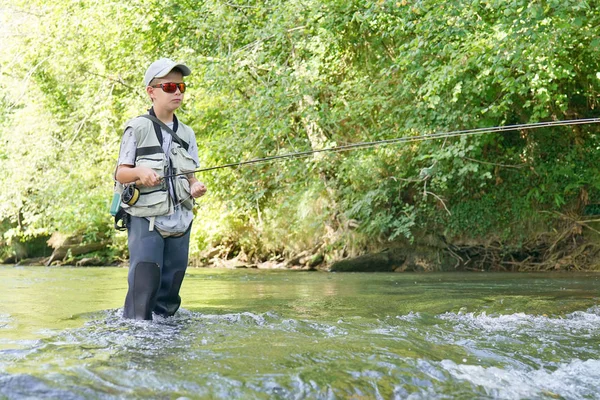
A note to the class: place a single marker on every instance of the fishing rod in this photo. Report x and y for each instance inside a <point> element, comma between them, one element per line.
<point>131,192</point>
<point>408,139</point>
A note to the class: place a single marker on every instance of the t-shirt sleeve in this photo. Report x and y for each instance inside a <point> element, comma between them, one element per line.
<point>128,147</point>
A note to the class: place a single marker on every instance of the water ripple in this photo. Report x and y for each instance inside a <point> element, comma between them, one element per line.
<point>5,321</point>
<point>265,355</point>
<point>575,379</point>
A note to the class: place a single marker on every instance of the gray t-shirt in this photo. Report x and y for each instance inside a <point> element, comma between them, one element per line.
<point>181,219</point>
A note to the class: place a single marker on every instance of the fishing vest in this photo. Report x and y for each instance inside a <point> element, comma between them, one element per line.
<point>155,200</point>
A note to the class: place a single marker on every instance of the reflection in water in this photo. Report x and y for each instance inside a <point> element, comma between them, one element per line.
<point>279,334</point>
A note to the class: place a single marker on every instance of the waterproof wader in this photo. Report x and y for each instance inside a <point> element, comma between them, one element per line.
<point>156,270</point>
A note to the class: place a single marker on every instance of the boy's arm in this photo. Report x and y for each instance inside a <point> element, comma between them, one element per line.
<point>140,175</point>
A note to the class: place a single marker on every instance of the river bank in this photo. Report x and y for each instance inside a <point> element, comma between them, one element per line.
<point>574,248</point>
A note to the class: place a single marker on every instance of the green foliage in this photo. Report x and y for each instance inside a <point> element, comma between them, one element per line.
<point>497,216</point>
<point>276,77</point>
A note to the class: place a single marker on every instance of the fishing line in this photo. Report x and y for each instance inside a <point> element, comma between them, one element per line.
<point>408,139</point>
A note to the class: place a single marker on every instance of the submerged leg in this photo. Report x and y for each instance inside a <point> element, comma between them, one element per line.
<point>146,258</point>
<point>173,271</point>
<point>141,296</point>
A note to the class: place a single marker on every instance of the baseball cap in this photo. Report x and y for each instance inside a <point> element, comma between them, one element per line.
<point>162,67</point>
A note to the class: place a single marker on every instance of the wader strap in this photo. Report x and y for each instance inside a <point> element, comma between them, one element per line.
<point>151,225</point>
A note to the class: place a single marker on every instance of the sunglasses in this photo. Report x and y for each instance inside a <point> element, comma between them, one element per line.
<point>171,87</point>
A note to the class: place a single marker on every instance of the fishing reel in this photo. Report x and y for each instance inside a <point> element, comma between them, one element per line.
<point>130,194</point>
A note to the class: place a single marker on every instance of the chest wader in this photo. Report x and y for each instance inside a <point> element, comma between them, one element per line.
<point>157,268</point>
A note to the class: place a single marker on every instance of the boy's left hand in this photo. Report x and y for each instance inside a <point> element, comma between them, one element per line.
<point>198,189</point>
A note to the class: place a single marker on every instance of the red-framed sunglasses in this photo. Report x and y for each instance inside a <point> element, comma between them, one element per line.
<point>171,87</point>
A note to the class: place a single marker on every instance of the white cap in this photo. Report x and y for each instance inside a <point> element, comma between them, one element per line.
<point>162,67</point>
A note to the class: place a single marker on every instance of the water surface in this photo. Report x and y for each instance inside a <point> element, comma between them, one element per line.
<point>293,335</point>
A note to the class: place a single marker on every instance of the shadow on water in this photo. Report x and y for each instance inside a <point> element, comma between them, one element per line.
<point>296,336</point>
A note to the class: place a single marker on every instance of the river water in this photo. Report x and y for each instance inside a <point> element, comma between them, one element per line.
<point>252,334</point>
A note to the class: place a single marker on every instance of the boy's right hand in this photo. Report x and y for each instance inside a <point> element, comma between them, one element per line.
<point>147,177</point>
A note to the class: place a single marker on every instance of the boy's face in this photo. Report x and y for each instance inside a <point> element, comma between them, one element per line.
<point>161,99</point>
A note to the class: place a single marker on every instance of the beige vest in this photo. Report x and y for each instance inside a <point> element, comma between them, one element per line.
<point>155,200</point>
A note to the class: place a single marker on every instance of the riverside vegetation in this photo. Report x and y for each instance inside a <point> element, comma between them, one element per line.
<point>275,77</point>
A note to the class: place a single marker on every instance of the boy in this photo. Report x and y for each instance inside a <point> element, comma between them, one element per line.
<point>159,154</point>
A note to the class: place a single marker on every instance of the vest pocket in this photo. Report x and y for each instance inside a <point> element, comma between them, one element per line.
<point>152,195</point>
<point>154,200</point>
<point>182,189</point>
<point>158,165</point>
<point>151,203</point>
<point>182,161</point>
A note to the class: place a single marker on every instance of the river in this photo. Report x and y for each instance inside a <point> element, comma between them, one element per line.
<point>255,334</point>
